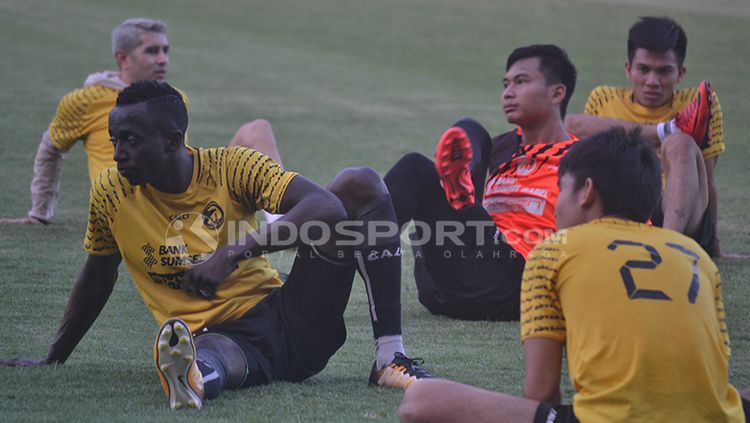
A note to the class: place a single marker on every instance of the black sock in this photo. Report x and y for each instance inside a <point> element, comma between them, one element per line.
<point>379,264</point>
<point>213,371</point>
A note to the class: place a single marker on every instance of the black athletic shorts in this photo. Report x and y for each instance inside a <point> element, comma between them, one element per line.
<point>485,284</point>
<point>706,233</point>
<point>564,413</point>
<point>546,413</point>
<point>293,332</point>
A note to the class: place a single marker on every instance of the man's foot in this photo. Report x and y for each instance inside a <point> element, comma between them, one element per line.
<point>452,161</point>
<point>174,355</point>
<point>693,120</point>
<point>399,373</point>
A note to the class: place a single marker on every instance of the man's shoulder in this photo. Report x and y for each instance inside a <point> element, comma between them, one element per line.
<point>609,93</point>
<point>80,99</point>
<point>111,188</point>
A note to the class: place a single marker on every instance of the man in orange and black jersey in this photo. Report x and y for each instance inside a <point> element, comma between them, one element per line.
<point>183,221</point>
<point>470,250</point>
<point>657,47</point>
<point>141,50</point>
<point>637,309</point>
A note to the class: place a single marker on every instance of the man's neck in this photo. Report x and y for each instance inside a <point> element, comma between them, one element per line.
<point>548,132</point>
<point>177,177</point>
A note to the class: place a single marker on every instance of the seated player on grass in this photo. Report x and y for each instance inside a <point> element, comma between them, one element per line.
<point>141,51</point>
<point>169,211</point>
<point>637,309</point>
<point>686,126</point>
<point>476,274</point>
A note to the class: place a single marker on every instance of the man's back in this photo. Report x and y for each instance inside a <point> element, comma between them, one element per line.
<point>639,309</point>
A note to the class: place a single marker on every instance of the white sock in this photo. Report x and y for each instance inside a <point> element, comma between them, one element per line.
<point>270,217</point>
<point>385,347</point>
<point>665,129</point>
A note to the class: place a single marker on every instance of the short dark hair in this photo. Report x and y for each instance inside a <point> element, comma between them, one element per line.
<point>659,34</point>
<point>554,64</point>
<point>166,108</point>
<point>624,169</point>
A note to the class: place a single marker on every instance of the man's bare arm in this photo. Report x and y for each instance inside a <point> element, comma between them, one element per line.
<point>584,125</point>
<point>543,359</point>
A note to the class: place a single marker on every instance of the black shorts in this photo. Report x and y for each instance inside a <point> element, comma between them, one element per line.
<point>706,233</point>
<point>485,284</point>
<point>293,332</point>
<point>564,413</point>
<point>546,413</point>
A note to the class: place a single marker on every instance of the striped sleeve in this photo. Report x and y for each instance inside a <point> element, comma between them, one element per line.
<point>716,126</point>
<point>75,115</point>
<point>105,198</point>
<point>256,180</point>
<point>598,97</point>
<point>720,314</point>
<point>541,311</point>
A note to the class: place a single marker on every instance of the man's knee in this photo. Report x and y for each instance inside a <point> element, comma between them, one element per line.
<point>679,148</point>
<point>417,401</point>
<point>253,134</point>
<point>408,167</point>
<point>357,186</point>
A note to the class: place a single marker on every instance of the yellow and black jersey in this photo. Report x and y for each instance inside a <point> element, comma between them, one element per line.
<point>639,309</point>
<point>83,114</point>
<point>618,103</point>
<point>160,235</point>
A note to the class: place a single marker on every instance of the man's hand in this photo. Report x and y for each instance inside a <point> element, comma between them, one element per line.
<point>203,279</point>
<point>23,362</point>
<point>28,220</point>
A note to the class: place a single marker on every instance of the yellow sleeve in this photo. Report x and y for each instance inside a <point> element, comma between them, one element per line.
<point>256,180</point>
<point>720,312</point>
<point>716,127</point>
<point>594,102</point>
<point>76,114</point>
<point>541,311</point>
<point>102,200</point>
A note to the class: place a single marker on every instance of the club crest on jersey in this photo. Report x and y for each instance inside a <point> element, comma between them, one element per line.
<point>526,166</point>
<point>213,215</point>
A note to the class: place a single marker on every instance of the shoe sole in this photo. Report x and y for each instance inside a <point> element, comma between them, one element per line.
<point>705,92</point>
<point>174,363</point>
<point>452,161</point>
<point>392,378</point>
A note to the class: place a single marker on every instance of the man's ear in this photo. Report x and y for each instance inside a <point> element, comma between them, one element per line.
<point>121,58</point>
<point>175,140</point>
<point>587,194</point>
<point>681,73</point>
<point>558,93</point>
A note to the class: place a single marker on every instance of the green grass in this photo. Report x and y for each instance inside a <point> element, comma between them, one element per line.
<point>343,83</point>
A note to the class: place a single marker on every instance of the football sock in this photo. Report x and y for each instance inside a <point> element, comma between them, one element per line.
<point>270,217</point>
<point>213,371</point>
<point>379,264</point>
<point>665,129</point>
<point>385,347</point>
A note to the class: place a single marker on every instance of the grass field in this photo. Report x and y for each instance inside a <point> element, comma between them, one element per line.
<point>344,83</point>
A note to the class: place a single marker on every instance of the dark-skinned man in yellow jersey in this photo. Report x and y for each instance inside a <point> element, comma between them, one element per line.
<point>167,200</point>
